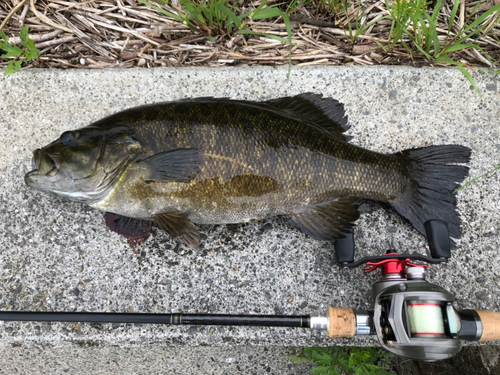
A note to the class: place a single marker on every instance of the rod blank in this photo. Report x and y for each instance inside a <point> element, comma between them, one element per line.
<point>173,319</point>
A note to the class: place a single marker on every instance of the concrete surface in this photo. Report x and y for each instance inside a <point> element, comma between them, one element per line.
<point>60,256</point>
<point>158,360</point>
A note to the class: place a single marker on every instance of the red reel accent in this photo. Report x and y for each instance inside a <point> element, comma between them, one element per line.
<point>392,265</point>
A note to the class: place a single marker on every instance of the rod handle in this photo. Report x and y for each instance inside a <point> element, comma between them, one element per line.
<point>342,322</point>
<point>491,325</point>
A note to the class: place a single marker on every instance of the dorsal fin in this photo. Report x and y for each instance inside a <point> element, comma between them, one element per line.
<point>326,114</point>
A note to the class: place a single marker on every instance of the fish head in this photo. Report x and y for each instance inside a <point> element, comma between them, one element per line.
<point>82,165</point>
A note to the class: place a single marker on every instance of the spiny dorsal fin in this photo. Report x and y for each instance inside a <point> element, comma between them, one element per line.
<point>178,165</point>
<point>179,225</point>
<point>325,113</point>
<point>327,222</point>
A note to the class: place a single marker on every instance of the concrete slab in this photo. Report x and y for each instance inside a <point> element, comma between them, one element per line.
<point>150,360</point>
<point>59,256</point>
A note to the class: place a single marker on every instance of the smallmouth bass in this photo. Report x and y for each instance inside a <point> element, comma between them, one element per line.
<point>221,161</point>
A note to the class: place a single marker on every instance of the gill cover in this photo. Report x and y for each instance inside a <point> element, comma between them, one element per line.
<point>82,165</point>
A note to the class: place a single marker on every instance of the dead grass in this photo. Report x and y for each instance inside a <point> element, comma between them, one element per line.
<point>124,33</point>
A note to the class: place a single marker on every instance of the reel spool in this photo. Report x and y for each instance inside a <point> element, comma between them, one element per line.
<point>425,318</point>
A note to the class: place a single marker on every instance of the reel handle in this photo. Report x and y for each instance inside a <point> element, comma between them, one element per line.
<point>490,322</point>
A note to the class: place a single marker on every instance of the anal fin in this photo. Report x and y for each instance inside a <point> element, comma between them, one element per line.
<point>179,225</point>
<point>329,221</point>
<point>135,231</point>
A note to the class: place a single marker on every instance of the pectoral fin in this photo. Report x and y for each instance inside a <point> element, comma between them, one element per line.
<point>327,222</point>
<point>178,165</point>
<point>179,225</point>
<point>136,231</point>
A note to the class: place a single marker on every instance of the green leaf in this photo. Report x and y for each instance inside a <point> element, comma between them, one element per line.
<point>480,19</point>
<point>489,71</point>
<point>437,8</point>
<point>12,51</point>
<point>432,36</point>
<point>445,59</point>
<point>322,370</point>
<point>466,73</point>
<point>358,358</point>
<point>266,13</point>
<point>362,369</point>
<point>453,15</point>
<point>193,13</point>
<point>425,32</point>
<point>311,350</point>
<point>341,358</point>
<point>288,26</point>
<point>417,46</point>
<point>344,365</point>
<point>456,47</point>
<point>229,14</point>
<point>31,44</point>
<point>32,53</point>
<point>12,67</point>
<point>323,358</point>
<point>168,14</point>
<point>4,37</point>
<point>24,37</point>
<point>188,5</point>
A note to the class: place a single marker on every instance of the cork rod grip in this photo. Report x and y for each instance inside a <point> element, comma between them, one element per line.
<point>491,325</point>
<point>342,322</point>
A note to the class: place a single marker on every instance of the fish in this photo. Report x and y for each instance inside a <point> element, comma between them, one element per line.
<point>221,161</point>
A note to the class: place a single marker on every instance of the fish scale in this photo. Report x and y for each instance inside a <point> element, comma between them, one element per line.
<point>220,161</point>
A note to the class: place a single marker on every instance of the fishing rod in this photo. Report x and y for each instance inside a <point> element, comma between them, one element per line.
<point>412,318</point>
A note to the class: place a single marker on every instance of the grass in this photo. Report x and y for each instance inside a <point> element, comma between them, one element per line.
<point>20,55</point>
<point>412,19</point>
<point>344,360</point>
<point>359,17</point>
<point>414,24</point>
<point>219,17</point>
<point>475,179</point>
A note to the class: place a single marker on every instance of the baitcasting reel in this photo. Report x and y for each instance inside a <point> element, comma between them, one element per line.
<point>412,317</point>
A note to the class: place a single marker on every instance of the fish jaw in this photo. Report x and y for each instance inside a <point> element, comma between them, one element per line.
<point>52,185</point>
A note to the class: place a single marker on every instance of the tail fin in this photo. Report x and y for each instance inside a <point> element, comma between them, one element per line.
<point>433,176</point>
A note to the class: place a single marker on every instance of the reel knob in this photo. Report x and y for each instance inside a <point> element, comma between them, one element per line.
<point>438,238</point>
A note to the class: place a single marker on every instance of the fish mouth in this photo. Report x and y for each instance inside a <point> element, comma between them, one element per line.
<point>44,163</point>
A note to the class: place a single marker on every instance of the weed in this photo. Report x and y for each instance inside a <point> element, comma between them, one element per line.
<point>361,27</point>
<point>218,17</point>
<point>475,179</point>
<point>411,18</point>
<point>28,53</point>
<point>404,13</point>
<point>211,17</point>
<point>352,360</point>
<point>331,6</point>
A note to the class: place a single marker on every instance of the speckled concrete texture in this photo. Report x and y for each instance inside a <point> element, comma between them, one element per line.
<point>156,360</point>
<point>59,256</point>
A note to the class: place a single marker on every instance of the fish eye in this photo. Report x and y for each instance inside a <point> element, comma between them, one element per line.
<point>67,137</point>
